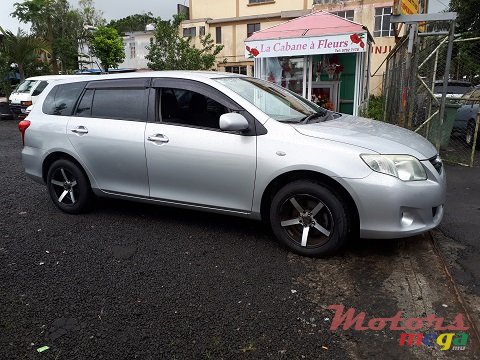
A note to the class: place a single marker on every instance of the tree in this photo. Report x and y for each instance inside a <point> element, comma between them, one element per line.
<point>169,51</point>
<point>468,15</point>
<point>90,16</point>
<point>22,49</point>
<point>40,13</point>
<point>108,47</point>
<point>132,23</point>
<point>60,25</point>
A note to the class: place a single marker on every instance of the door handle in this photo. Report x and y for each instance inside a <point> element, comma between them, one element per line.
<point>158,137</point>
<point>80,130</point>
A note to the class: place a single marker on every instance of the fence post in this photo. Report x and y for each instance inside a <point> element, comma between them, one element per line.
<point>475,136</point>
<point>446,76</point>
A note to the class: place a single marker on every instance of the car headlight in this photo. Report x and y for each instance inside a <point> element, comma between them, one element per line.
<point>404,167</point>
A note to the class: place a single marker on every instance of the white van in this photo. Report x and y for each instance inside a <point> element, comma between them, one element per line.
<point>27,92</point>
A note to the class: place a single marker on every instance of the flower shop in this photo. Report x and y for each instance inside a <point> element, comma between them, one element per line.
<point>319,56</point>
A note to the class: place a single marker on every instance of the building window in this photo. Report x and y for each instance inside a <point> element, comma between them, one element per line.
<point>201,30</point>
<point>218,34</point>
<point>251,28</point>
<point>383,27</point>
<point>347,14</point>
<point>236,69</point>
<point>190,32</point>
<point>132,50</point>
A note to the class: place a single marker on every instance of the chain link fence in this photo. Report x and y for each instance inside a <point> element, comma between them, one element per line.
<point>414,87</point>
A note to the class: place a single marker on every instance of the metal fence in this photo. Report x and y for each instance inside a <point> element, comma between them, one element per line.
<point>415,97</point>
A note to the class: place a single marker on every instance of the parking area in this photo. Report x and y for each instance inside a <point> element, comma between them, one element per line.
<point>132,281</point>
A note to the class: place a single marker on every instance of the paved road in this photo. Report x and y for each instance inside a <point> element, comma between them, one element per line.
<point>459,233</point>
<point>136,281</point>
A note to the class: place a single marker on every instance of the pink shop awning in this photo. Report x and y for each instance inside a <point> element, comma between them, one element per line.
<point>316,33</point>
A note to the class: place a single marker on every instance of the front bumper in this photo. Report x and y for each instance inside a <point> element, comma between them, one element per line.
<point>390,208</point>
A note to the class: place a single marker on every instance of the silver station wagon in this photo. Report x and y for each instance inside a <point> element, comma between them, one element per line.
<point>235,145</point>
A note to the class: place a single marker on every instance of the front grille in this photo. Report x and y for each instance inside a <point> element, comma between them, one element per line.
<point>437,163</point>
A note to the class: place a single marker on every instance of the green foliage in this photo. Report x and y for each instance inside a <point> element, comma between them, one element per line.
<point>375,108</point>
<point>60,25</point>
<point>132,23</point>
<point>22,49</point>
<point>169,51</point>
<point>108,47</point>
<point>468,15</point>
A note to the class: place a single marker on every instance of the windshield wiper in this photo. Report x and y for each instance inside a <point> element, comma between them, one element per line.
<point>314,116</point>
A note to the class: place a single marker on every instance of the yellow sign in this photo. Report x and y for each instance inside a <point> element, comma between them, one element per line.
<point>406,7</point>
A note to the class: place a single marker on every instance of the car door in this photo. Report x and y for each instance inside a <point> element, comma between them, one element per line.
<point>190,160</point>
<point>107,131</point>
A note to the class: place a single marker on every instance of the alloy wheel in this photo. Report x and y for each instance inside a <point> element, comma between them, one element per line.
<point>65,186</point>
<point>306,220</point>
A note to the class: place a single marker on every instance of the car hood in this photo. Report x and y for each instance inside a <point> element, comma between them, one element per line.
<point>370,134</point>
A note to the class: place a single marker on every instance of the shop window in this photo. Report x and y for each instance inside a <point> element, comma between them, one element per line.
<point>218,34</point>
<point>190,32</point>
<point>251,28</point>
<point>201,30</point>
<point>347,14</point>
<point>236,69</point>
<point>383,27</point>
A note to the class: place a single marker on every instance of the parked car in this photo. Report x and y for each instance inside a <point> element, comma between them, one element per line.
<point>455,89</point>
<point>27,92</point>
<point>235,145</point>
<point>466,116</point>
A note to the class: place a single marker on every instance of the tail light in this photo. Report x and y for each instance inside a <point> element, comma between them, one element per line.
<point>23,126</point>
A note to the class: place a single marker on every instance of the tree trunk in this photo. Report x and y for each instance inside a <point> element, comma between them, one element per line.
<point>50,39</point>
<point>21,72</point>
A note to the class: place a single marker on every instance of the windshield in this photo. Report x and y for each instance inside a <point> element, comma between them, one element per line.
<point>276,102</point>
<point>26,86</point>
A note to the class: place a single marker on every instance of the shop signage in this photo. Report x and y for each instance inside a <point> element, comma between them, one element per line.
<point>406,7</point>
<point>347,43</point>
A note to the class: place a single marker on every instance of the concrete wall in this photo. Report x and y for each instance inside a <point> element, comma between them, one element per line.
<point>141,41</point>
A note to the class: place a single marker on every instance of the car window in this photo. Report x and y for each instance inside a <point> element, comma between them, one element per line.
<point>273,100</point>
<point>62,99</point>
<point>26,86</point>
<point>186,107</point>
<point>84,108</point>
<point>123,104</point>
<point>38,90</point>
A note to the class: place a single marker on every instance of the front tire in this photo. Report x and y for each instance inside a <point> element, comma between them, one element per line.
<point>309,219</point>
<point>69,187</point>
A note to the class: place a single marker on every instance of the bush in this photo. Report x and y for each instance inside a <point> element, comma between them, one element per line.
<point>375,108</point>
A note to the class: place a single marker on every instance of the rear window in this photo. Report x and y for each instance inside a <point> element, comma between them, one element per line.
<point>62,99</point>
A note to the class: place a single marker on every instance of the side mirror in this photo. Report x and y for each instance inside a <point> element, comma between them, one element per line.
<point>233,122</point>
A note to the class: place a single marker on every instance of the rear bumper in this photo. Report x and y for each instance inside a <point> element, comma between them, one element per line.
<point>32,159</point>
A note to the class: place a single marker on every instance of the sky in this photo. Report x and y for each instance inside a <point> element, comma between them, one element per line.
<point>112,9</point>
<point>115,9</point>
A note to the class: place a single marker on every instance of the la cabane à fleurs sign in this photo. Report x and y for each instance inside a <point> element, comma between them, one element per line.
<point>346,43</point>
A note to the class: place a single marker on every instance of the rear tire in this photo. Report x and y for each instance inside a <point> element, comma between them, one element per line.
<point>69,187</point>
<point>309,219</point>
